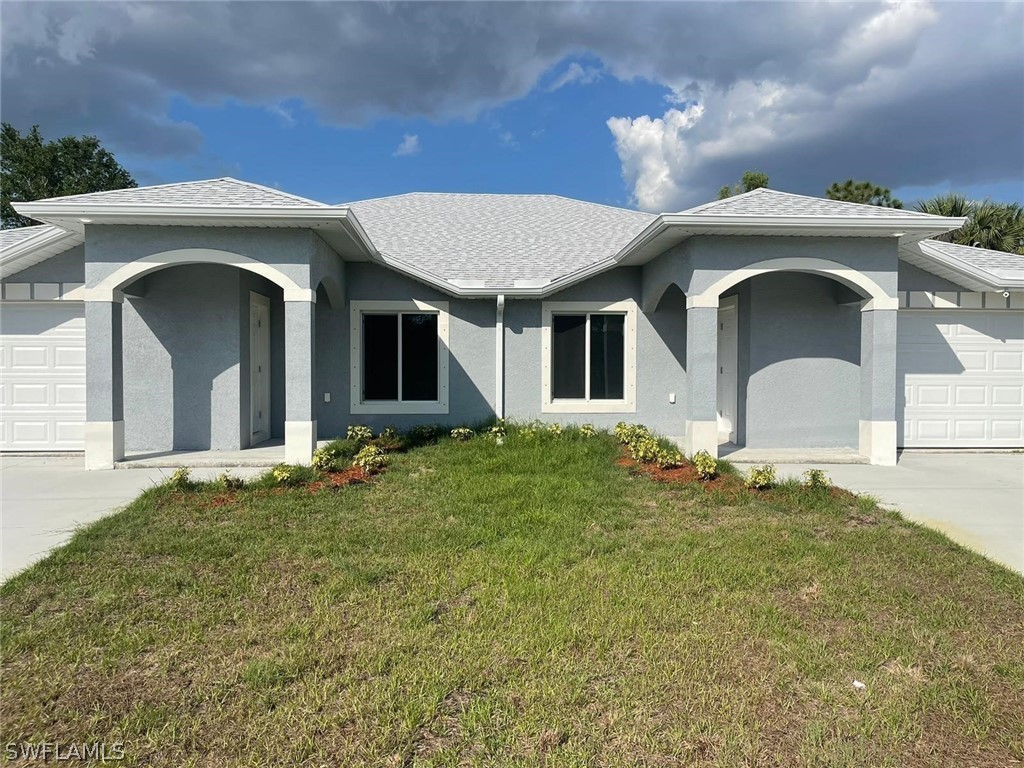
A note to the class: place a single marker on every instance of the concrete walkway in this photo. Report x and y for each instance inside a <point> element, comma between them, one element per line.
<point>976,499</point>
<point>44,499</point>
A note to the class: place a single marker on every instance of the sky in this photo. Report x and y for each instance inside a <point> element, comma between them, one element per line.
<point>645,105</point>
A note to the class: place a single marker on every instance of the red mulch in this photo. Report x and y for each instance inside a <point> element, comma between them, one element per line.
<point>350,476</point>
<point>682,475</point>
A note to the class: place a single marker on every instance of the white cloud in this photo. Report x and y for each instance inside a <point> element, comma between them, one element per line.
<point>410,145</point>
<point>575,73</point>
<point>507,139</point>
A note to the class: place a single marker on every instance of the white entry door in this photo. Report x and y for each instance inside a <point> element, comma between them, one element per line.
<point>259,367</point>
<point>962,374</point>
<point>728,347</point>
<point>42,376</point>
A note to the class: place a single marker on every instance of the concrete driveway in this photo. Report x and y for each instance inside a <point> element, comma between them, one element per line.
<point>44,499</point>
<point>976,499</point>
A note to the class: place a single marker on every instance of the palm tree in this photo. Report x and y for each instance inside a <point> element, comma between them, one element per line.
<point>992,225</point>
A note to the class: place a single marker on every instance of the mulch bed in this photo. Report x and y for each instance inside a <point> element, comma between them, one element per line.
<point>339,479</point>
<point>682,475</point>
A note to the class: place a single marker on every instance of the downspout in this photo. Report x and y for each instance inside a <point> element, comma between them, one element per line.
<point>499,358</point>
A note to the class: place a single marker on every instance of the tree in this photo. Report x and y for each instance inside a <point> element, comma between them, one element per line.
<point>863,192</point>
<point>32,168</point>
<point>750,181</point>
<point>992,225</point>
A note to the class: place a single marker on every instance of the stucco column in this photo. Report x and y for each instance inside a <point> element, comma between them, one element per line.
<point>878,386</point>
<point>104,385</point>
<point>300,381</point>
<point>702,380</point>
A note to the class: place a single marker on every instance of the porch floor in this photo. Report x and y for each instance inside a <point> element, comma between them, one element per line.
<point>266,454</point>
<point>740,454</point>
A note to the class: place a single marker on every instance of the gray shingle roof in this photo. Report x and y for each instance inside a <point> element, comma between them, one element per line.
<point>497,239</point>
<point>771,202</point>
<point>1005,266</point>
<point>211,192</point>
<point>11,237</point>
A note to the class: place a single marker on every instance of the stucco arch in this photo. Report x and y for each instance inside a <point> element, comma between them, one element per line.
<point>109,289</point>
<point>335,295</point>
<point>852,278</point>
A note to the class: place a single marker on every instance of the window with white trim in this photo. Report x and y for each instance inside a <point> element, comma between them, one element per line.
<point>589,357</point>
<point>399,357</point>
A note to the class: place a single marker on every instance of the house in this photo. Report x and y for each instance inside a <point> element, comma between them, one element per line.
<point>220,314</point>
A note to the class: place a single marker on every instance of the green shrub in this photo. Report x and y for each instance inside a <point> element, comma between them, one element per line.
<point>555,429</point>
<point>816,478</point>
<point>390,432</point>
<point>646,450</point>
<point>230,482</point>
<point>181,479</point>
<point>669,459</point>
<point>761,478</point>
<point>706,465</point>
<point>587,430</point>
<point>424,434</point>
<point>370,459</point>
<point>360,433</point>
<point>497,430</point>
<point>462,434</point>
<point>291,475</point>
<point>627,434</point>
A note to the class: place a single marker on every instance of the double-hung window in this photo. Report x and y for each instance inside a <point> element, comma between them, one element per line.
<point>399,357</point>
<point>589,360</point>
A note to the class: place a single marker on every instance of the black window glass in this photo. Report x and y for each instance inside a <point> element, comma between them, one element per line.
<point>607,362</point>
<point>380,357</point>
<point>419,357</point>
<point>568,356</point>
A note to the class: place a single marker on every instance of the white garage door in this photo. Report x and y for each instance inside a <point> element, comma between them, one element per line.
<point>42,376</point>
<point>962,375</point>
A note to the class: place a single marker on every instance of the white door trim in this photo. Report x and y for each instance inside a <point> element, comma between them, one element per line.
<point>259,368</point>
<point>728,361</point>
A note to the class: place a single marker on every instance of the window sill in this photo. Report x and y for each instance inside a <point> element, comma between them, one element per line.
<point>408,408</point>
<point>588,406</point>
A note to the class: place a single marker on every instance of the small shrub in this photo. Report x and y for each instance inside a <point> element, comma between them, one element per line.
<point>230,482</point>
<point>370,459</point>
<point>627,434</point>
<point>390,432</point>
<point>816,478</point>
<point>646,450</point>
<point>761,478</point>
<point>181,479</point>
<point>326,458</point>
<point>462,434</point>
<point>587,430</point>
<point>669,459</point>
<point>706,465</point>
<point>422,434</point>
<point>555,429</point>
<point>360,433</point>
<point>497,430</point>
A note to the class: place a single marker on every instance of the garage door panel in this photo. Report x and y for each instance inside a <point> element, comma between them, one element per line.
<point>42,390</point>
<point>963,378</point>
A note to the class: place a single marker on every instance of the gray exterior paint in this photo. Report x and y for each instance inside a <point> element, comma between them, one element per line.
<point>810,364</point>
<point>913,278</point>
<point>68,267</point>
<point>661,350</point>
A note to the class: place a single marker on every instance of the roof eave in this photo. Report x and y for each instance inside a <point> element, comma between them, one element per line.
<point>971,272</point>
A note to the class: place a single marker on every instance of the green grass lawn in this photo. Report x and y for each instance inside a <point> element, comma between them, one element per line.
<point>524,604</point>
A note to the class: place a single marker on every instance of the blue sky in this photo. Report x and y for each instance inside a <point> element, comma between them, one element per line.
<point>653,106</point>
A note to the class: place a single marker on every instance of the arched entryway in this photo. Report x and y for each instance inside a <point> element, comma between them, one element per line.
<point>221,357</point>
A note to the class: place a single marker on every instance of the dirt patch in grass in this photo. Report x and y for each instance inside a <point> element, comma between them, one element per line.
<point>339,479</point>
<point>685,474</point>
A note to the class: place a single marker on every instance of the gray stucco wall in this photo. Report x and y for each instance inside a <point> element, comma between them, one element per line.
<point>470,360</point>
<point>661,352</point>
<point>182,377</point>
<point>912,278</point>
<point>799,366</point>
<point>66,267</point>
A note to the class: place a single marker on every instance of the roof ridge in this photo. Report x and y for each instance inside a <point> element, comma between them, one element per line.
<point>550,195</point>
<point>264,188</point>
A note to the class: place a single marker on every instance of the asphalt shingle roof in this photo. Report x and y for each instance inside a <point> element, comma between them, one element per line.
<point>211,192</point>
<point>497,239</point>
<point>771,202</point>
<point>1006,266</point>
<point>11,237</point>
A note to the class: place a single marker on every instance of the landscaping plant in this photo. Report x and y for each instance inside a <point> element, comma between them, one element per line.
<point>706,465</point>
<point>761,478</point>
<point>360,433</point>
<point>816,478</point>
<point>370,459</point>
<point>462,434</point>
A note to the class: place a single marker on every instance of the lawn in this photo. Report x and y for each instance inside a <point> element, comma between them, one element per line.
<point>532,603</point>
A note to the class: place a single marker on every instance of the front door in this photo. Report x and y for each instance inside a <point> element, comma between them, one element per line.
<point>728,345</point>
<point>259,368</point>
